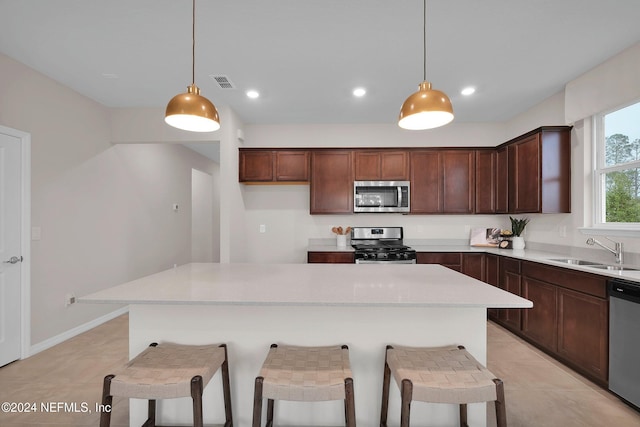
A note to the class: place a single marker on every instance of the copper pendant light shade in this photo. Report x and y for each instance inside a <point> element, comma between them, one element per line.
<point>191,111</point>
<point>427,108</point>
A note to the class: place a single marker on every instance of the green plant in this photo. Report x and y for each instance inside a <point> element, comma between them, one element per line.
<point>518,225</point>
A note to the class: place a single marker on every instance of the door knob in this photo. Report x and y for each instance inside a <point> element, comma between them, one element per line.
<point>13,260</point>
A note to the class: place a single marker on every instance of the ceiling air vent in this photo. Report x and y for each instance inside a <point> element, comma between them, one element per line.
<point>223,81</point>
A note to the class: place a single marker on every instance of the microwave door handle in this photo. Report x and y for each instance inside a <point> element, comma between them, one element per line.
<point>399,196</point>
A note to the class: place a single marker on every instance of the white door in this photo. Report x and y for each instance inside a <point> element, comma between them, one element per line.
<point>10,248</point>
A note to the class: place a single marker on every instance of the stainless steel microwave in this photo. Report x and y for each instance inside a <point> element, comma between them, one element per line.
<point>381,196</point>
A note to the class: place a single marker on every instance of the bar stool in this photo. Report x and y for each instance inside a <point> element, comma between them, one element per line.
<point>168,371</point>
<point>309,374</point>
<point>440,375</point>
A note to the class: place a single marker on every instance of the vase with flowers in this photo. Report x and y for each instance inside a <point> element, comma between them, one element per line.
<point>517,227</point>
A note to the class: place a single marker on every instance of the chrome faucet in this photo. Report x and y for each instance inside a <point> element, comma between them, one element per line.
<point>617,251</point>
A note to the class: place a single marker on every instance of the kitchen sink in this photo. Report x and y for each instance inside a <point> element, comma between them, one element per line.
<point>614,267</point>
<point>578,262</point>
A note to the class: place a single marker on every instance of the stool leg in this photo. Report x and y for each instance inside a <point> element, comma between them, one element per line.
<point>257,402</point>
<point>501,409</point>
<point>107,402</point>
<point>226,389</point>
<point>385,391</point>
<point>151,414</point>
<point>349,403</point>
<point>196,395</point>
<point>463,415</point>
<point>407,395</point>
<point>270,403</point>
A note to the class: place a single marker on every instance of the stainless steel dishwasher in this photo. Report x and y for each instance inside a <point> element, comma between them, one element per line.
<point>624,340</point>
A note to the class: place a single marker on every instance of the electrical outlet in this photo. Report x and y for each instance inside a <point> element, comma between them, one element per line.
<point>562,231</point>
<point>263,228</point>
<point>69,299</point>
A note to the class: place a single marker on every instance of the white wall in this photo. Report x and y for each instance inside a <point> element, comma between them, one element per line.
<point>202,232</point>
<point>104,211</point>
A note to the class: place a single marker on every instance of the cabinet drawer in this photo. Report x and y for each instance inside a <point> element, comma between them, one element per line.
<point>512,265</point>
<point>331,257</point>
<point>445,258</point>
<point>587,283</point>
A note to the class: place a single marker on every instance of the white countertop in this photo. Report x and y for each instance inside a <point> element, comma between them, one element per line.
<point>541,256</point>
<point>395,285</point>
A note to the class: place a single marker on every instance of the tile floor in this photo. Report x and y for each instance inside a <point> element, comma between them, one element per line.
<point>539,390</point>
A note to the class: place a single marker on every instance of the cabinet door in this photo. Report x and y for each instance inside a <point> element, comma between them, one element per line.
<point>492,277</point>
<point>511,317</point>
<point>367,165</point>
<point>381,165</point>
<point>458,189</point>
<point>583,332</point>
<point>473,265</point>
<point>331,182</point>
<point>502,180</point>
<point>485,181</point>
<point>525,175</point>
<point>540,322</point>
<point>426,192</point>
<point>256,166</point>
<point>394,166</point>
<point>292,166</point>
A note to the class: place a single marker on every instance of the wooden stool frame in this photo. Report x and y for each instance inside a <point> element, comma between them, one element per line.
<point>406,392</point>
<point>196,394</point>
<point>349,402</point>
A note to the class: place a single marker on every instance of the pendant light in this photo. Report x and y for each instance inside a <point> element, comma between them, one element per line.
<point>190,110</point>
<point>427,108</point>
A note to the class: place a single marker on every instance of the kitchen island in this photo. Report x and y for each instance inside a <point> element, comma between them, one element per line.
<point>250,306</point>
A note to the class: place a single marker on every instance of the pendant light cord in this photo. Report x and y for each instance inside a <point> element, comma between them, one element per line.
<point>193,43</point>
<point>424,46</point>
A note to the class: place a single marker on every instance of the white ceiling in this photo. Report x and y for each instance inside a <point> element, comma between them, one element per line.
<point>306,56</point>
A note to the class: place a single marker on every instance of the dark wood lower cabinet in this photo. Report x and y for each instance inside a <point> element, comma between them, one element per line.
<point>540,323</point>
<point>330,257</point>
<point>511,317</point>
<point>583,330</point>
<point>473,265</point>
<point>452,260</point>
<point>570,317</point>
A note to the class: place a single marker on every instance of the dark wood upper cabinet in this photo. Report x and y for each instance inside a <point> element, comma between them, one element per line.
<point>331,182</point>
<point>540,171</point>
<point>381,165</point>
<point>292,166</point>
<point>442,181</point>
<point>256,166</point>
<point>502,180</point>
<point>273,166</point>
<point>485,180</point>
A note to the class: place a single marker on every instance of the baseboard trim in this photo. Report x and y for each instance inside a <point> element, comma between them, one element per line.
<point>48,343</point>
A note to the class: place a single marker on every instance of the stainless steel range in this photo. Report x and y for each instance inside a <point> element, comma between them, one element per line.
<point>381,245</point>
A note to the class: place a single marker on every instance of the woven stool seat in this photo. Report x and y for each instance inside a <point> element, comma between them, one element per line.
<point>165,371</point>
<point>440,375</point>
<point>168,371</point>
<point>308,374</point>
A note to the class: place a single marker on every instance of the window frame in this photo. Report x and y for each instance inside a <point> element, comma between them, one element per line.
<point>600,169</point>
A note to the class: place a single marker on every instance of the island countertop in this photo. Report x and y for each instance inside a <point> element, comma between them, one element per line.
<point>419,285</point>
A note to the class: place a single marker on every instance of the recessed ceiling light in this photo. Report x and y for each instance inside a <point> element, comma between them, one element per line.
<point>253,94</point>
<point>359,92</point>
<point>468,91</point>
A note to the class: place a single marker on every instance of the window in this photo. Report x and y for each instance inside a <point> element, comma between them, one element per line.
<point>617,170</point>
